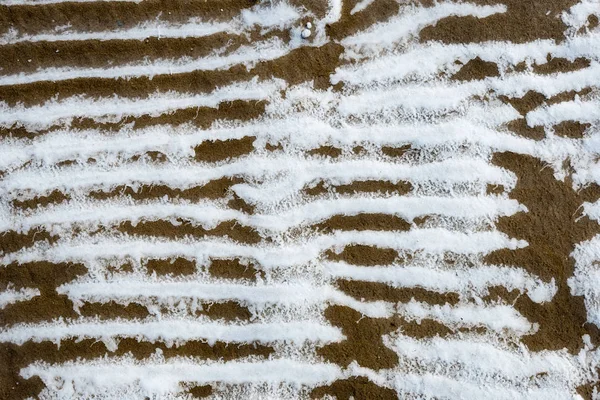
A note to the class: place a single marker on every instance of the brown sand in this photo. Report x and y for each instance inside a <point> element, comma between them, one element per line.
<point>12,241</point>
<point>233,269</point>
<point>228,229</point>
<point>552,230</point>
<point>215,189</point>
<point>326,151</point>
<point>363,222</point>
<point>476,69</point>
<point>524,21</point>
<point>355,388</point>
<point>99,16</point>
<point>359,254</point>
<point>383,187</point>
<point>218,150</point>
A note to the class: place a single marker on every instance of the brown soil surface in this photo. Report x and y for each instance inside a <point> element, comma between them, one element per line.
<point>233,269</point>
<point>355,388</point>
<point>94,53</point>
<point>561,65</point>
<point>326,151</point>
<point>199,392</point>
<point>571,129</point>
<point>359,254</point>
<point>228,229</point>
<point>364,337</point>
<point>494,189</point>
<point>99,16</point>
<point>524,21</point>
<point>229,310</point>
<point>218,150</point>
<point>374,291</point>
<point>476,69</point>
<point>395,151</point>
<point>215,189</point>
<point>363,222</point>
<point>11,241</point>
<point>552,228</point>
<point>383,187</point>
<point>55,197</point>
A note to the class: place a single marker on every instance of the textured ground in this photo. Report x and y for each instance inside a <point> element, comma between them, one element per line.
<point>197,202</point>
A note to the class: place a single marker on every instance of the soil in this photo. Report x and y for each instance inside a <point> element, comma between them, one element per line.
<point>382,187</point>
<point>523,21</point>
<point>355,388</point>
<point>215,189</point>
<point>374,291</point>
<point>476,69</point>
<point>182,228</point>
<point>571,129</point>
<point>363,222</point>
<point>552,227</point>
<point>218,150</point>
<point>395,151</point>
<point>100,16</point>
<point>326,151</point>
<point>11,241</point>
<point>555,65</point>
<point>359,254</point>
<point>56,197</point>
<point>233,269</point>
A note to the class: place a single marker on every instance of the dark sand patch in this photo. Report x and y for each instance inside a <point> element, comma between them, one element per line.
<point>214,189</point>
<point>571,129</point>
<point>363,222</point>
<point>494,189</point>
<point>395,151</point>
<point>326,151</point>
<point>101,16</point>
<point>303,64</point>
<point>11,241</point>
<point>552,229</point>
<point>359,254</point>
<point>56,197</point>
<point>199,392</point>
<point>558,64</point>
<point>233,269</point>
<point>476,69</point>
<point>364,337</point>
<point>524,21</point>
<point>237,203</point>
<point>218,150</point>
<point>374,291</point>
<point>110,53</point>
<point>43,275</point>
<point>183,228</point>
<point>229,311</point>
<point>383,187</point>
<point>349,24</point>
<point>40,92</point>
<point>358,388</point>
